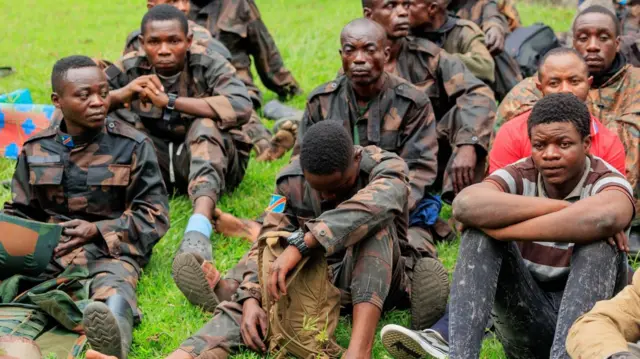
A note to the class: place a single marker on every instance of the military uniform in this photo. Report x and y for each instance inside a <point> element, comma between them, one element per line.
<point>202,155</point>
<point>614,101</point>
<point>237,24</point>
<point>489,13</point>
<point>399,120</point>
<point>464,106</point>
<point>368,260</point>
<point>110,178</point>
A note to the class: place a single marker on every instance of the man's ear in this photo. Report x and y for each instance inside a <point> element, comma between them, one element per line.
<point>590,81</point>
<point>587,143</point>
<point>538,83</point>
<point>387,54</point>
<point>55,99</point>
<point>366,12</point>
<point>190,39</point>
<point>141,39</point>
<point>618,44</point>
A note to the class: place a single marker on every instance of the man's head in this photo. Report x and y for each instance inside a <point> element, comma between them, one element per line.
<point>182,5</point>
<point>363,51</point>
<point>564,70</point>
<point>328,160</point>
<point>559,129</point>
<point>393,15</point>
<point>165,38</point>
<point>424,13</point>
<point>81,92</point>
<point>595,36</point>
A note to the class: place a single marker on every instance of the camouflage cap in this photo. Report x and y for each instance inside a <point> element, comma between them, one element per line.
<point>26,247</point>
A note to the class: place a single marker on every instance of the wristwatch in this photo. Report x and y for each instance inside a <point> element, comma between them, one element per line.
<point>166,116</point>
<point>296,239</point>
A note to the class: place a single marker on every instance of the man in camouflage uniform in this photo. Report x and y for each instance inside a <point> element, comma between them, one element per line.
<point>329,188</point>
<point>267,147</point>
<point>430,20</point>
<point>495,17</point>
<point>464,106</point>
<point>237,24</point>
<point>101,182</point>
<point>614,93</point>
<point>192,105</point>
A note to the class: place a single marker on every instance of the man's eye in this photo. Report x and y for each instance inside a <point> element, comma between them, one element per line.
<point>565,145</point>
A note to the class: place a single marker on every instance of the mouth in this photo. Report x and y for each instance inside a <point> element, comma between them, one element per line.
<point>165,64</point>
<point>95,117</point>
<point>360,72</point>
<point>550,171</point>
<point>402,27</point>
<point>594,60</point>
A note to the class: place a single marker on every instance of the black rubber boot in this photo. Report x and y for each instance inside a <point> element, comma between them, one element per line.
<point>109,326</point>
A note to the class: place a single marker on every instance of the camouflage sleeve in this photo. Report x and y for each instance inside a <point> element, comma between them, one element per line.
<point>228,96</point>
<point>475,55</point>
<point>286,220</point>
<point>250,286</point>
<point>475,108</point>
<point>146,218</point>
<point>419,150</point>
<point>491,17</point>
<point>519,100</point>
<point>629,133</point>
<point>23,204</point>
<point>310,116</point>
<point>368,211</point>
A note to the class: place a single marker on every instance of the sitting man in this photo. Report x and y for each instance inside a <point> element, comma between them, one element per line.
<point>192,105</point>
<point>100,180</point>
<point>430,20</point>
<point>612,97</point>
<point>332,185</point>
<point>463,105</point>
<point>545,240</point>
<point>561,70</point>
<point>267,147</point>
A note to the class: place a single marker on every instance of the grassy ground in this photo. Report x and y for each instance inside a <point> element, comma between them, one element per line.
<point>37,32</point>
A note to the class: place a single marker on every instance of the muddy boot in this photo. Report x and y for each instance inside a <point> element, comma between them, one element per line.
<point>109,326</point>
<point>231,226</point>
<point>429,293</point>
<point>193,271</point>
<point>275,110</point>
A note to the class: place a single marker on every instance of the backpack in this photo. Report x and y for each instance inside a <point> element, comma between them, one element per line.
<point>301,323</point>
<point>528,45</point>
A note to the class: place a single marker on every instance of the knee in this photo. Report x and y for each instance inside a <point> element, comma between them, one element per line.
<point>204,129</point>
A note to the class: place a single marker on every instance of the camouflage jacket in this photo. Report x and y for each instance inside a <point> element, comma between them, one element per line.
<point>111,179</point>
<point>379,199</point>
<point>615,103</point>
<point>485,13</point>
<point>399,120</point>
<point>238,25</point>
<point>464,39</point>
<point>201,36</point>
<point>206,75</point>
<point>464,106</point>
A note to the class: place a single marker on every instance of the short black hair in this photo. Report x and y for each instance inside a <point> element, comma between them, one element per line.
<point>326,148</point>
<point>598,9</point>
<point>367,3</point>
<point>559,51</point>
<point>164,12</point>
<point>561,107</point>
<point>62,66</point>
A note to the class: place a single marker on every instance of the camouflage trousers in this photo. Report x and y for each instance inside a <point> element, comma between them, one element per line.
<point>532,319</point>
<point>373,271</point>
<point>255,130</point>
<point>208,163</point>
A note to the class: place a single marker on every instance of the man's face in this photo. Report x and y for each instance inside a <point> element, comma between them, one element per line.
<point>363,55</point>
<point>182,5</point>
<point>595,38</point>
<point>419,13</point>
<point>565,73</point>
<point>393,15</point>
<point>83,98</point>
<point>558,151</point>
<point>334,188</point>
<point>166,46</point>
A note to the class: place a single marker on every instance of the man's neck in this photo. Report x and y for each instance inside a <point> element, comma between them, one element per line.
<point>561,191</point>
<point>395,45</point>
<point>368,92</point>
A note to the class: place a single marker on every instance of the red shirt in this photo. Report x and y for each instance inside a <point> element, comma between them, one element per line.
<point>512,143</point>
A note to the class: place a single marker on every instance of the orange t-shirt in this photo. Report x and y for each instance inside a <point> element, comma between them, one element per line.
<point>512,143</point>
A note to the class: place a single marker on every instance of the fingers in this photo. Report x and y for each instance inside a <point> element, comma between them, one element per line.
<point>611,242</point>
<point>282,282</point>
<point>73,232</point>
<point>623,241</point>
<point>466,177</point>
<point>272,284</point>
<point>457,180</point>
<point>254,337</point>
<point>155,80</point>
<point>66,247</point>
<point>264,324</point>
<point>71,223</point>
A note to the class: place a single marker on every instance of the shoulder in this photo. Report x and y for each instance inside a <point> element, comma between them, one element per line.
<point>469,27</point>
<point>374,159</point>
<point>132,37</point>
<point>199,30</point>
<point>203,56</point>
<point>49,132</point>
<point>517,178</point>
<point>291,171</point>
<point>127,62</point>
<point>119,128</point>
<point>423,46</point>
<point>327,88</point>
<point>406,90</point>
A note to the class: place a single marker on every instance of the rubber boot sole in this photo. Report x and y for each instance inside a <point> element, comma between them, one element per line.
<point>102,330</point>
<point>188,275</point>
<point>429,293</point>
<point>402,343</point>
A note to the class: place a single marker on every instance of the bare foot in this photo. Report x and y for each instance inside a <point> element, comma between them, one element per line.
<point>92,354</point>
<point>225,289</point>
<point>281,142</point>
<point>210,273</point>
<point>261,147</point>
<point>232,226</point>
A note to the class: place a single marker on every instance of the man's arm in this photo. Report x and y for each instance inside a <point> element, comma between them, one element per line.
<point>491,17</point>
<point>146,218</point>
<point>609,326</point>
<point>420,150</point>
<point>474,53</point>
<point>23,203</point>
<point>369,210</point>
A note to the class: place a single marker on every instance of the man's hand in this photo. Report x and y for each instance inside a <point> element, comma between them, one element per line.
<point>79,233</point>
<point>495,40</point>
<point>463,167</point>
<point>276,283</point>
<point>141,84</point>
<point>253,316</point>
<point>620,241</point>
<point>160,100</point>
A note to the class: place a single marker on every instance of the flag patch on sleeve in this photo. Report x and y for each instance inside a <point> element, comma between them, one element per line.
<point>277,204</point>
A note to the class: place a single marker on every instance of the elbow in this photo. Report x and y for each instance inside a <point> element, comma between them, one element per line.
<point>606,224</point>
<point>461,207</point>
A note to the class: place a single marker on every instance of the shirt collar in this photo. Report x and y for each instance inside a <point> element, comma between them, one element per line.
<point>577,190</point>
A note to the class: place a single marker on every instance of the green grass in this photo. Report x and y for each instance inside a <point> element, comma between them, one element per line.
<point>37,32</point>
